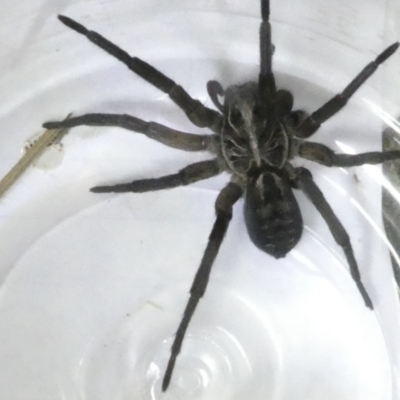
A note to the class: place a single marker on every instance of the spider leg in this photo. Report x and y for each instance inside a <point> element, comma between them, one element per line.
<point>190,174</point>
<point>266,80</point>
<point>223,207</point>
<point>304,181</point>
<point>197,113</point>
<point>311,124</point>
<point>168,136</point>
<point>324,155</point>
<point>215,89</point>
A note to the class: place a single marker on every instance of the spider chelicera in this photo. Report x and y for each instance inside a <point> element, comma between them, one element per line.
<point>256,135</point>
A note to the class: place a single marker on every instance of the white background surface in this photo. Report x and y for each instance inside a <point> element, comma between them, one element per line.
<point>94,285</point>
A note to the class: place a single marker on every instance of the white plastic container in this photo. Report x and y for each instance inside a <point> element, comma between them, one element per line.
<point>93,286</point>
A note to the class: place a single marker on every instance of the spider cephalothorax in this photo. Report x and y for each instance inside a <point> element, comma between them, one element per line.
<point>250,137</point>
<point>256,135</point>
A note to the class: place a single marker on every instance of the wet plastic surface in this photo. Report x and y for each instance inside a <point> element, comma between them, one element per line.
<point>93,286</point>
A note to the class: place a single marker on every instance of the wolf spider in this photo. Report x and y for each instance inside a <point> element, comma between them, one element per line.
<point>256,134</point>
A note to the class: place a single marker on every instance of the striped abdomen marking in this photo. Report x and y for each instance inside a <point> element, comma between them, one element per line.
<point>272,214</point>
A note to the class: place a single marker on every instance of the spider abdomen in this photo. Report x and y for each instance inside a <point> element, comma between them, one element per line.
<point>272,214</point>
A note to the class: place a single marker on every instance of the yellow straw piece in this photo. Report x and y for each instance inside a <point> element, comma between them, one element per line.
<point>34,151</point>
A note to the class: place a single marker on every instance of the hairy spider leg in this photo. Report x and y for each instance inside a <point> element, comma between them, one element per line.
<point>223,208</point>
<point>303,180</point>
<point>186,176</point>
<point>311,124</point>
<point>266,80</point>
<point>197,113</point>
<point>161,133</point>
<point>324,155</point>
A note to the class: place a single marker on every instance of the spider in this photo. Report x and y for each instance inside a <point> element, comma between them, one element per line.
<point>256,135</point>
